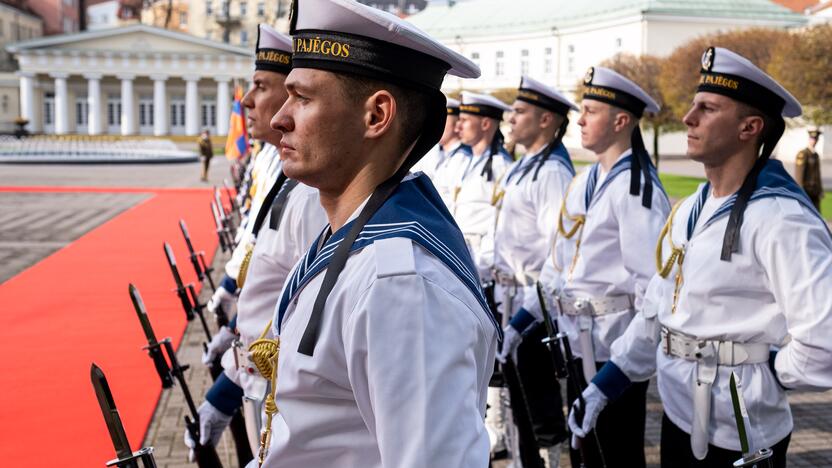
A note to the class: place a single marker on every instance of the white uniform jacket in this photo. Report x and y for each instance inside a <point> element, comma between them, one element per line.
<point>447,174</point>
<point>776,290</point>
<point>275,254</point>
<point>615,256</point>
<point>268,168</point>
<point>476,197</point>
<point>399,373</point>
<point>527,216</point>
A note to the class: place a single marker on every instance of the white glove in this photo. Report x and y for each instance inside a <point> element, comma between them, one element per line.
<point>212,423</point>
<point>595,402</point>
<point>511,340</point>
<point>219,344</point>
<point>221,298</point>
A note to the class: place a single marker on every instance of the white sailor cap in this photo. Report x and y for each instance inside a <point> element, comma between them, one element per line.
<point>483,105</point>
<point>730,74</point>
<point>273,51</point>
<point>346,36</point>
<point>605,85</point>
<point>452,106</point>
<point>536,93</point>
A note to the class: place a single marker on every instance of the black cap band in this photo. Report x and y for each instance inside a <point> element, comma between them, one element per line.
<point>371,58</point>
<point>452,110</point>
<point>273,60</point>
<point>615,97</point>
<point>482,111</point>
<point>541,100</point>
<point>743,90</point>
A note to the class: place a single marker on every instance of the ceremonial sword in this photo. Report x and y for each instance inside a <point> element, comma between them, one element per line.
<point>565,362</point>
<point>203,271</point>
<point>206,455</point>
<point>760,458</point>
<point>125,457</point>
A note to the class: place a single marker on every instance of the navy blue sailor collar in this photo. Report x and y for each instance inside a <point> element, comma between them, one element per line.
<point>623,164</point>
<point>557,154</point>
<point>414,211</point>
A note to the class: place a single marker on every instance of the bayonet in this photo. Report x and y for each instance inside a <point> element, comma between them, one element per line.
<point>231,200</point>
<point>203,271</point>
<point>180,287</point>
<point>125,456</point>
<point>153,348</point>
<point>220,231</point>
<point>226,221</point>
<point>760,458</point>
<point>206,455</point>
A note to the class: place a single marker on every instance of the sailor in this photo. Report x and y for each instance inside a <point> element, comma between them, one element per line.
<point>384,344</point>
<point>288,221</point>
<point>516,248</point>
<point>448,144</point>
<point>601,259</point>
<point>477,179</point>
<point>744,283</point>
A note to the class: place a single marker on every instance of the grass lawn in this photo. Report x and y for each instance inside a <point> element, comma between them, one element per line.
<point>826,206</point>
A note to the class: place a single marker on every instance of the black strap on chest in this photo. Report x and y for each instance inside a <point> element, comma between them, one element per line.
<point>432,130</point>
<point>267,202</point>
<point>279,204</point>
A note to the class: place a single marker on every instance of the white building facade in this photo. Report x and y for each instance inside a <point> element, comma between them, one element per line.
<point>556,41</point>
<point>133,80</point>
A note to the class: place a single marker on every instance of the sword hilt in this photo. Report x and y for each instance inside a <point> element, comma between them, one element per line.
<point>759,459</point>
<point>159,362</point>
<point>144,455</point>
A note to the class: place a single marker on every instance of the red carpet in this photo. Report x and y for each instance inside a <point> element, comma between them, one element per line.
<point>71,309</point>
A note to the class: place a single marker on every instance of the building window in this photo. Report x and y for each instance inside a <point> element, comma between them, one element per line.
<point>226,9</point>
<point>1,28</point>
<point>261,9</point>
<point>547,61</point>
<point>475,55</point>
<point>183,19</point>
<point>498,64</point>
<point>243,8</point>
<point>5,104</point>
<point>209,8</point>
<point>68,25</point>
<point>570,64</point>
<point>618,42</point>
<point>114,113</point>
<point>209,114</point>
<point>243,36</point>
<point>524,62</point>
<point>82,109</point>
<point>173,115</point>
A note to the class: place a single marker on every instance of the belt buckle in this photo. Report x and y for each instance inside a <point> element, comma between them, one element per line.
<point>236,347</point>
<point>667,343</point>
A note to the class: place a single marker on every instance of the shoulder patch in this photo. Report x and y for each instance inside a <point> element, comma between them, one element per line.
<point>789,207</point>
<point>394,257</point>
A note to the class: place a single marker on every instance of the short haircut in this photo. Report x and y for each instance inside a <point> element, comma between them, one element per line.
<point>413,104</point>
<point>745,110</point>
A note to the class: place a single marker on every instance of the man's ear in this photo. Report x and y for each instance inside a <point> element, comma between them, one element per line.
<point>621,121</point>
<point>751,128</point>
<point>380,110</point>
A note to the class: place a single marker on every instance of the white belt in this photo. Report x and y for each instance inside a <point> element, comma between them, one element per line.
<point>708,356</point>
<point>594,306</point>
<point>505,279</point>
<point>728,353</point>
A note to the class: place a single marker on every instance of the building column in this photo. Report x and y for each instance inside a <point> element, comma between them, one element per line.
<point>191,105</point>
<point>223,105</point>
<point>128,105</point>
<point>61,103</point>
<point>160,115</point>
<point>94,119</point>
<point>27,101</point>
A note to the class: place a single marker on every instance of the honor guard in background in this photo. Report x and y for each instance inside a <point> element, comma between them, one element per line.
<point>447,146</point>
<point>383,343</point>
<point>602,255</point>
<point>744,283</point>
<point>477,183</point>
<point>288,220</point>
<point>807,169</point>
<point>515,250</point>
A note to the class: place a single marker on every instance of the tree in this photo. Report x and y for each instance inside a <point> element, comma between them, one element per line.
<point>680,71</point>
<point>802,63</point>
<point>645,71</point>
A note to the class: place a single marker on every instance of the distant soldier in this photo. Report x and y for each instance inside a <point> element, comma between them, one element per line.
<point>206,152</point>
<point>807,170</point>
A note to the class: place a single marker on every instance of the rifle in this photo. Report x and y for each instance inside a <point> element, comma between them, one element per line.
<point>232,201</point>
<point>226,221</point>
<point>566,364</point>
<point>203,271</point>
<point>188,297</point>
<point>528,447</point>
<point>206,455</point>
<point>125,457</point>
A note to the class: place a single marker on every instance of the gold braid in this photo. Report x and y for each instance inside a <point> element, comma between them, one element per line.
<point>677,255</point>
<point>264,353</point>
<point>577,225</point>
